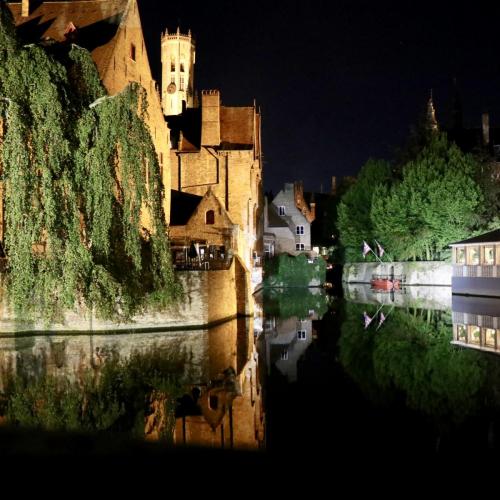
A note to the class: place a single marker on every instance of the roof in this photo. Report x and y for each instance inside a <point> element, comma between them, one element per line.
<point>273,218</point>
<point>491,237</point>
<point>97,23</point>
<point>182,206</point>
<point>236,127</point>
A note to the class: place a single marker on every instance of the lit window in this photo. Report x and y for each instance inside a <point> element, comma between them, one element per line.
<point>299,230</point>
<point>462,332</point>
<point>172,65</point>
<point>284,355</point>
<point>210,217</point>
<point>301,334</point>
<point>489,337</point>
<point>474,334</point>
<point>460,255</point>
<point>132,52</point>
<point>489,255</point>
<point>182,66</point>
<point>299,246</point>
<point>473,256</point>
<point>281,210</point>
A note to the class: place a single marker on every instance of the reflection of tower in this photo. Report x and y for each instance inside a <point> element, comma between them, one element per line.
<point>177,82</point>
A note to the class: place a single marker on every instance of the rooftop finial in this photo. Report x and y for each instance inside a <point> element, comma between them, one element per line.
<point>432,123</point>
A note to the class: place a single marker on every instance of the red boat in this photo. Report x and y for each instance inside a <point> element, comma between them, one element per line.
<point>386,282</point>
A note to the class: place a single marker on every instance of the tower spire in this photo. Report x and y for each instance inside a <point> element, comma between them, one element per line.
<point>431,122</point>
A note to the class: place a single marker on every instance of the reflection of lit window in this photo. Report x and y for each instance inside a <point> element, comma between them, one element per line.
<point>489,337</point>
<point>473,256</point>
<point>460,255</point>
<point>489,255</point>
<point>301,334</point>
<point>474,334</point>
<point>284,355</point>
<point>462,332</point>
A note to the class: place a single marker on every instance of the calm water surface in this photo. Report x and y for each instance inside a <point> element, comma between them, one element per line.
<point>411,372</point>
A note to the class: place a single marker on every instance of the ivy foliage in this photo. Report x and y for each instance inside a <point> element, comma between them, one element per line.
<point>294,271</point>
<point>80,177</point>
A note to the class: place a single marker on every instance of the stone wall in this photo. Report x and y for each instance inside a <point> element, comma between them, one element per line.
<point>417,273</point>
<point>209,297</point>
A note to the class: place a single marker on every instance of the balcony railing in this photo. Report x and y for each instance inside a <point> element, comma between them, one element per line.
<point>196,264</point>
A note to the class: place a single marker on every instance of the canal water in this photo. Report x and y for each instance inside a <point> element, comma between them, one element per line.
<point>352,372</point>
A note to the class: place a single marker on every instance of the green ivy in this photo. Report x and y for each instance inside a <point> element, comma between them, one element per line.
<point>79,168</point>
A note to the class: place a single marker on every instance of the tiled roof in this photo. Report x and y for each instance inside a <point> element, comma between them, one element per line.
<point>273,218</point>
<point>97,23</point>
<point>491,237</point>
<point>237,126</point>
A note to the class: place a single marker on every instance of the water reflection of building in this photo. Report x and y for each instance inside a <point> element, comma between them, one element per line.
<point>285,341</point>
<point>476,322</point>
<point>221,363</point>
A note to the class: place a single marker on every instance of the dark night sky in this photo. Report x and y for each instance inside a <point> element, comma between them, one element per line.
<point>339,81</point>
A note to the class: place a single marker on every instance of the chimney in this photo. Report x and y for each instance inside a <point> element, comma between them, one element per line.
<point>334,186</point>
<point>25,8</point>
<point>312,211</point>
<point>210,118</point>
<point>486,128</point>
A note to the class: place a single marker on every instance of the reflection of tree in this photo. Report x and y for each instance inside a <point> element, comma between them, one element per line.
<point>411,354</point>
<point>288,302</point>
<point>120,400</point>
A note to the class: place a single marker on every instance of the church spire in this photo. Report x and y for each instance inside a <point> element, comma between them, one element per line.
<point>431,122</point>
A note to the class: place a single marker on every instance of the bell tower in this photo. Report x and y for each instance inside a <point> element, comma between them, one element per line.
<point>177,82</point>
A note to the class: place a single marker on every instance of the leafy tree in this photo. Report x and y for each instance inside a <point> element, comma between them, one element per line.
<point>79,168</point>
<point>354,222</point>
<point>435,203</point>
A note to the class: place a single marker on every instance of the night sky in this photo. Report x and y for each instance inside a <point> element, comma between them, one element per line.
<point>339,81</point>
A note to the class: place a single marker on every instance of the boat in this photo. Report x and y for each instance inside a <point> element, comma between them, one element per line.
<point>386,282</point>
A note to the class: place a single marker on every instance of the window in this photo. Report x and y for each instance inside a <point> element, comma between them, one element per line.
<point>181,84</point>
<point>172,65</point>
<point>489,255</point>
<point>473,256</point>
<point>460,255</point>
<point>132,52</point>
<point>210,217</point>
<point>182,66</point>
<point>299,229</point>
<point>489,337</point>
<point>474,334</point>
<point>301,334</point>
<point>462,332</point>
<point>281,210</point>
<point>299,246</point>
<point>284,355</point>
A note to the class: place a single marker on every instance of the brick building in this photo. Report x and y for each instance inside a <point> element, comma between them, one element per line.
<point>111,30</point>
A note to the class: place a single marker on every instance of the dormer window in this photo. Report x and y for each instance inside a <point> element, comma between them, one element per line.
<point>132,52</point>
<point>210,217</point>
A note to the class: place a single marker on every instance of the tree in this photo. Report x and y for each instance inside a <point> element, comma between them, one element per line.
<point>78,168</point>
<point>354,222</point>
<point>434,204</point>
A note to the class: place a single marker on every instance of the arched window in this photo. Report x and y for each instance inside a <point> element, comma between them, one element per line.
<point>210,217</point>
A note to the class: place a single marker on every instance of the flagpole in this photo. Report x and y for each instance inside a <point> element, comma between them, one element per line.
<point>390,310</point>
<point>376,256</point>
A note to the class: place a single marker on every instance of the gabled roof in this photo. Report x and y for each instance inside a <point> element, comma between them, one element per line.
<point>182,207</point>
<point>491,237</point>
<point>96,21</point>
<point>273,218</point>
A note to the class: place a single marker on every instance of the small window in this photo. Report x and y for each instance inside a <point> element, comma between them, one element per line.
<point>460,255</point>
<point>210,217</point>
<point>299,229</point>
<point>473,256</point>
<point>301,334</point>
<point>489,255</point>
<point>299,246</point>
<point>132,52</point>
<point>182,66</point>
<point>281,210</point>
<point>181,84</point>
<point>474,334</point>
<point>462,332</point>
<point>161,158</point>
<point>284,355</point>
<point>172,65</point>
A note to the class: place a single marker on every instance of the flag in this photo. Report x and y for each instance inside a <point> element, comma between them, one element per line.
<point>366,248</point>
<point>381,319</point>
<point>381,251</point>
<point>368,320</point>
